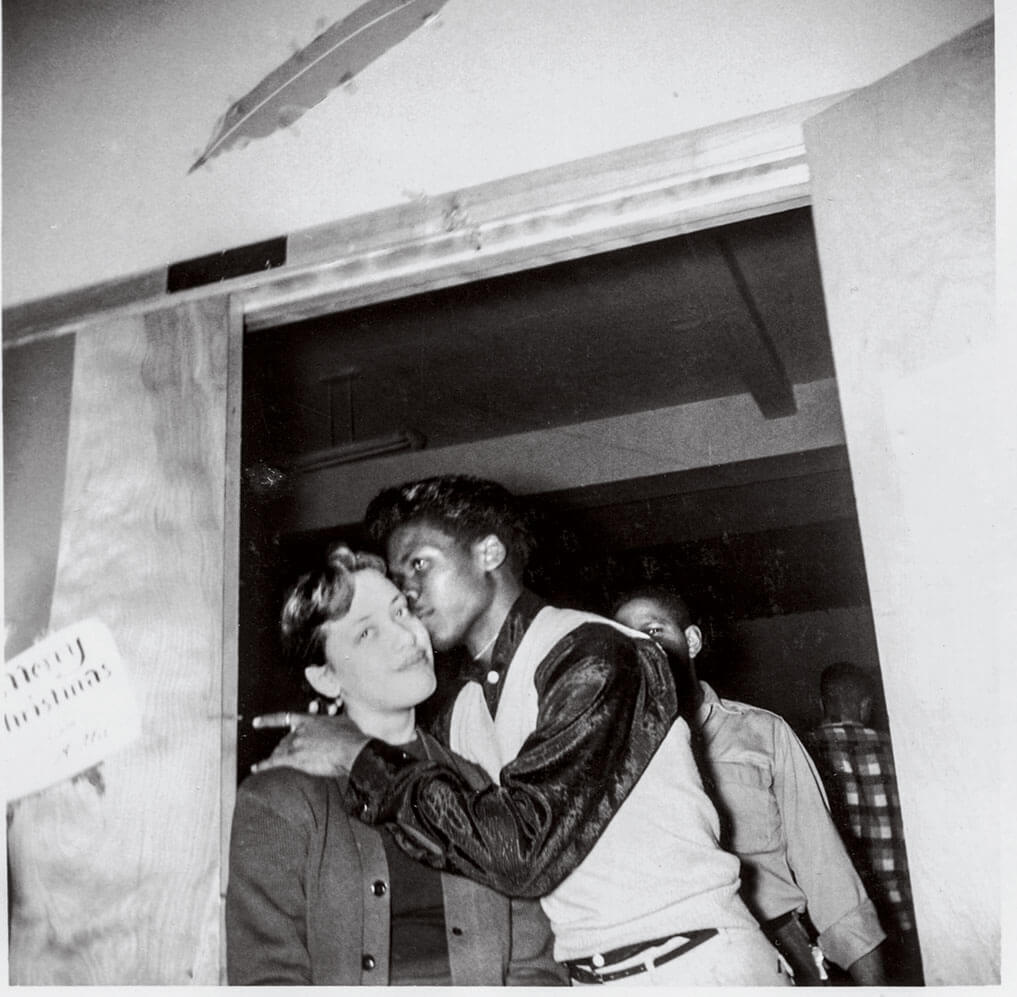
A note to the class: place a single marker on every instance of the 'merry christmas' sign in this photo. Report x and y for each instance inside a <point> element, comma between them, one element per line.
<point>67,705</point>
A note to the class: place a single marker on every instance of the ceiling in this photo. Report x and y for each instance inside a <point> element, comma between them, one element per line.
<point>737,309</point>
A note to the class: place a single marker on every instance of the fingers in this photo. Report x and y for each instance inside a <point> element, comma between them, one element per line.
<point>284,749</point>
<point>309,762</point>
<point>269,763</point>
<point>288,719</point>
<point>318,745</point>
<point>280,754</point>
<point>272,720</point>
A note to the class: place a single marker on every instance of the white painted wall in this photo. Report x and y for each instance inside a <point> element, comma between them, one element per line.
<point>108,102</point>
<point>906,246</point>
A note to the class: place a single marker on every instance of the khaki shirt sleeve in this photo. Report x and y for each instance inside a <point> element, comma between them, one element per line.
<point>838,905</point>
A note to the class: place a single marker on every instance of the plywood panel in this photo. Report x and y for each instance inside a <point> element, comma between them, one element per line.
<point>115,878</point>
<point>904,213</point>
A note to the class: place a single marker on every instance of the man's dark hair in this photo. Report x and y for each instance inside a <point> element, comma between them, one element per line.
<point>843,687</point>
<point>686,680</point>
<point>466,508</point>
<point>666,595</point>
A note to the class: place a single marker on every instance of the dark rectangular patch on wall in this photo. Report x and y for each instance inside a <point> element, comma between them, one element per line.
<point>38,379</point>
<point>226,265</point>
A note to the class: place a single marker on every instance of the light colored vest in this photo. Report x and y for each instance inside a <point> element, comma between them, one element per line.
<point>657,868</point>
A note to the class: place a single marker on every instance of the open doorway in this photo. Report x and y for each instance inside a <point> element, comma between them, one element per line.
<point>767,546</point>
<point>670,408</point>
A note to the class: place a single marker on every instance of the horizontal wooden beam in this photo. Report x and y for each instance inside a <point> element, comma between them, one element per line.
<point>756,353</point>
<point>732,474</point>
<point>713,176</point>
<point>750,507</point>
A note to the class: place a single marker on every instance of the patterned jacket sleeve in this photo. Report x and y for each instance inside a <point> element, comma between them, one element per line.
<point>606,702</point>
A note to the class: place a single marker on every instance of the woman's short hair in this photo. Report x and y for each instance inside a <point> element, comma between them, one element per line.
<point>319,597</point>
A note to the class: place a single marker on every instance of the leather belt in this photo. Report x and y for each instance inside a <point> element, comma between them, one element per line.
<point>596,969</point>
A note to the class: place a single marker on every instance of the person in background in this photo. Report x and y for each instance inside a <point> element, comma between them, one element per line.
<point>795,873</point>
<point>316,897</point>
<point>596,805</point>
<point>856,763</point>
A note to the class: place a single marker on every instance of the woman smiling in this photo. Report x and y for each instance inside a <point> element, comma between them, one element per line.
<point>316,897</point>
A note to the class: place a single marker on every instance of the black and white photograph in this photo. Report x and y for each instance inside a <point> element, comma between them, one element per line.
<point>506,493</point>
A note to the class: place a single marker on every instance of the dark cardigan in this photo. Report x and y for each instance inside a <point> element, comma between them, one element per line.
<point>308,899</point>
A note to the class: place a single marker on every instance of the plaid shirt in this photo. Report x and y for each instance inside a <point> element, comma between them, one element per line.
<point>857,767</point>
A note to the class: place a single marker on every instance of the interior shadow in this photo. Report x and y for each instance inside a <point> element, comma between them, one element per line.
<point>766,550</point>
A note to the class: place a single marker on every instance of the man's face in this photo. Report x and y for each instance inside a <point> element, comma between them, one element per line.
<point>443,579</point>
<point>379,652</point>
<point>656,621</point>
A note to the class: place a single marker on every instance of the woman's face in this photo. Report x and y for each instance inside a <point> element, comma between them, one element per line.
<point>379,655</point>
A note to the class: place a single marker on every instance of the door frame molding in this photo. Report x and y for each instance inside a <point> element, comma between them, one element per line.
<point>713,176</point>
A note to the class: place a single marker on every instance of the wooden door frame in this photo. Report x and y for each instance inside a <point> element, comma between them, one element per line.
<point>732,172</point>
<point>229,685</point>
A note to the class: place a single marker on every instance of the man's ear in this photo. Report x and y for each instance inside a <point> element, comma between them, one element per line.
<point>694,638</point>
<point>490,552</point>
<point>323,680</point>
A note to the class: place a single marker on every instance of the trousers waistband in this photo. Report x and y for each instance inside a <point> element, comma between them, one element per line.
<point>596,968</point>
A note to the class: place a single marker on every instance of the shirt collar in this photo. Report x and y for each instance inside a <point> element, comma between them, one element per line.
<point>710,702</point>
<point>516,623</point>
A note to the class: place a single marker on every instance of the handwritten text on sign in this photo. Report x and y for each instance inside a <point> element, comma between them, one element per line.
<point>67,704</point>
